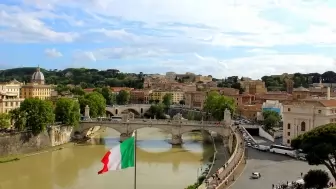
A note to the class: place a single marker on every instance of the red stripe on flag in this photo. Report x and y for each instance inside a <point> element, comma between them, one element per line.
<point>105,161</point>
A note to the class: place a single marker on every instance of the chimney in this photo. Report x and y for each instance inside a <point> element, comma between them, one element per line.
<point>328,93</point>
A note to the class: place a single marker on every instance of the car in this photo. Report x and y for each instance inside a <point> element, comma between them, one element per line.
<point>263,148</point>
<point>249,144</point>
<point>255,175</point>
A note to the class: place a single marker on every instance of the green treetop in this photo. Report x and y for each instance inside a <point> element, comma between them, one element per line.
<point>34,114</point>
<point>95,101</point>
<point>271,119</point>
<point>123,97</point>
<point>320,146</point>
<point>167,99</point>
<point>67,111</point>
<point>216,105</point>
<point>4,120</point>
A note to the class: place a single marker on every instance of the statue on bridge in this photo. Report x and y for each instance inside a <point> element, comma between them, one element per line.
<point>227,117</point>
<point>178,116</point>
<point>131,116</point>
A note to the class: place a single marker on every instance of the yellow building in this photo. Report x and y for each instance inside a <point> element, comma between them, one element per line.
<point>177,96</point>
<point>254,87</point>
<point>203,79</point>
<point>10,96</point>
<point>37,87</point>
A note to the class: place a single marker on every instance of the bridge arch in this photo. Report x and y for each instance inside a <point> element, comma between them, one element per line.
<point>128,110</point>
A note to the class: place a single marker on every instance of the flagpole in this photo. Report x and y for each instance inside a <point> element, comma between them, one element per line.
<point>135,159</point>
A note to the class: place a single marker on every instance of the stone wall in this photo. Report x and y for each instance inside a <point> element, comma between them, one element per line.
<point>25,142</point>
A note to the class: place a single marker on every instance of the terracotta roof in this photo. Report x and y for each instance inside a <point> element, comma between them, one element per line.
<point>328,103</point>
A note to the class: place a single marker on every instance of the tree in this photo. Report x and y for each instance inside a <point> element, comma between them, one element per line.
<point>77,91</point>
<point>5,120</point>
<point>182,102</point>
<point>107,94</point>
<point>37,113</point>
<point>167,100</point>
<point>67,111</point>
<point>95,101</point>
<point>215,104</point>
<point>123,97</point>
<point>19,118</point>
<point>271,119</point>
<point>156,110</point>
<point>319,146</point>
<point>318,179</point>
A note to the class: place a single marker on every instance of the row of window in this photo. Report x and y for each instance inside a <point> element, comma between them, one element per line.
<point>302,126</point>
<point>319,111</point>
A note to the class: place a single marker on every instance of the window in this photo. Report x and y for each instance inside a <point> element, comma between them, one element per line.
<point>319,111</point>
<point>289,109</point>
<point>288,133</point>
<point>288,126</point>
<point>303,126</point>
<point>288,141</point>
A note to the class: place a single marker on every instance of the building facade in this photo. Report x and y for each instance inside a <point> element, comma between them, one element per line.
<point>37,87</point>
<point>306,115</point>
<point>195,99</point>
<point>10,96</point>
<point>177,96</point>
<point>254,86</point>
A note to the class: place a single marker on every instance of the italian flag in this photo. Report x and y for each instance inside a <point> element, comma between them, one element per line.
<point>120,157</point>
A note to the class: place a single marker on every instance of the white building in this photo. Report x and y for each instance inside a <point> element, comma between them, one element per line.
<point>306,115</point>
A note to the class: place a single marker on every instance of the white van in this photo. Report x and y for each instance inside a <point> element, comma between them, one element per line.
<point>264,148</point>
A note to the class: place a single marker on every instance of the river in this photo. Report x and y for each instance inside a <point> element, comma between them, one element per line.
<point>75,166</point>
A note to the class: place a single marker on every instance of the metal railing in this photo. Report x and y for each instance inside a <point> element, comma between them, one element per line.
<point>157,122</point>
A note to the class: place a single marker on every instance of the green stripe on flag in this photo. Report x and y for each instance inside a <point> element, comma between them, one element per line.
<point>127,153</point>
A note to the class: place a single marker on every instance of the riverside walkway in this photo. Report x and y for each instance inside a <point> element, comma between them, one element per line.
<point>226,172</point>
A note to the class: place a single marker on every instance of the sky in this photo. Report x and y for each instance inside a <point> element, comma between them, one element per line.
<point>250,38</point>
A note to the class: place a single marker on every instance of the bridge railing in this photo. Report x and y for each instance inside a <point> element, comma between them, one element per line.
<point>159,122</point>
<point>129,105</point>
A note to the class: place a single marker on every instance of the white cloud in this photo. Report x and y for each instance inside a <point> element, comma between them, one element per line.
<point>52,53</point>
<point>174,35</point>
<point>256,66</point>
<point>23,26</point>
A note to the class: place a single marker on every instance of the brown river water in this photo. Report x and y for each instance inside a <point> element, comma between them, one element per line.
<point>76,166</point>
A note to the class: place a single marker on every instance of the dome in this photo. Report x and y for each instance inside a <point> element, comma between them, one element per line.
<point>38,77</point>
<point>301,89</point>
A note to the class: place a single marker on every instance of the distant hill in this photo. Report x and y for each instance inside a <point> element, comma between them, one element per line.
<point>86,78</point>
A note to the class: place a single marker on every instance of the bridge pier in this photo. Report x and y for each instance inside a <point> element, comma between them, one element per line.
<point>124,136</point>
<point>176,140</point>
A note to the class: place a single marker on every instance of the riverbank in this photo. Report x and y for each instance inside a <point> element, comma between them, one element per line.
<point>17,157</point>
<point>44,149</point>
<point>212,167</point>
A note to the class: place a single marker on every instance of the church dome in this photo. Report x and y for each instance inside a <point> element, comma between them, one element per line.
<point>38,76</point>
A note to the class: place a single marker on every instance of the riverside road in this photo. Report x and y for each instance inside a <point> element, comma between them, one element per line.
<point>274,169</point>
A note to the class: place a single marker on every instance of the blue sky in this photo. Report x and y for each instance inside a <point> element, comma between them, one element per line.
<point>216,37</point>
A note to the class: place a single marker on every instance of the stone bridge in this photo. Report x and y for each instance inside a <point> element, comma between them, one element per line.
<point>175,127</point>
<point>137,109</point>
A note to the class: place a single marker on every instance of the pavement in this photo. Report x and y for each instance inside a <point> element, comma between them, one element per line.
<point>273,169</point>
